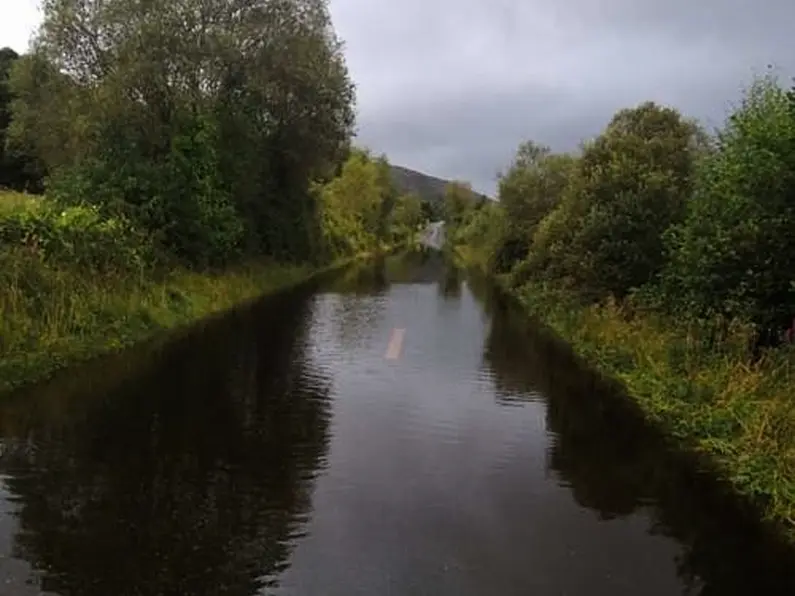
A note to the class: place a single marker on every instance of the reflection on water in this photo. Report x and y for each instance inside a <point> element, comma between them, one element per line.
<point>617,466</point>
<point>195,475</point>
<point>276,450</point>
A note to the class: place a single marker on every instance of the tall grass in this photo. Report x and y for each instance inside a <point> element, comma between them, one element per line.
<point>74,284</point>
<point>700,383</point>
<point>14,202</point>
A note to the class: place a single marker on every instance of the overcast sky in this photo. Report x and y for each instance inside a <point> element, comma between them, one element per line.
<point>451,87</point>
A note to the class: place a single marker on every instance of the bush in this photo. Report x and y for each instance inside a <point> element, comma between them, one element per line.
<point>75,237</point>
<point>631,183</point>
<point>530,189</point>
<point>355,206</point>
<point>734,254</point>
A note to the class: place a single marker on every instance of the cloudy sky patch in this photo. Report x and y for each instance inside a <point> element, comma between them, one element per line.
<point>451,87</point>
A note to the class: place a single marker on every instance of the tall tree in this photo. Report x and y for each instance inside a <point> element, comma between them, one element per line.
<point>528,191</point>
<point>17,170</point>
<point>735,252</point>
<point>192,115</point>
<point>632,183</point>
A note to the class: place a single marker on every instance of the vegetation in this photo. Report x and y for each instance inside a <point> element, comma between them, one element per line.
<point>17,169</point>
<point>192,153</point>
<point>665,255</point>
<point>430,188</point>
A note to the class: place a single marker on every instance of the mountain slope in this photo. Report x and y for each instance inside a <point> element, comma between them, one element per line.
<point>430,188</point>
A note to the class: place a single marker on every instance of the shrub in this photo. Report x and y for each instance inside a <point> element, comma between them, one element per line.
<point>735,253</point>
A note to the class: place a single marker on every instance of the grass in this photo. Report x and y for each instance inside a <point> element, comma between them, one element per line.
<point>51,318</point>
<point>12,202</point>
<point>705,391</point>
<point>72,287</point>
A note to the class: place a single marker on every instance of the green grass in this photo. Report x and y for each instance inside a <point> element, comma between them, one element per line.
<point>708,394</point>
<point>13,202</point>
<point>75,284</point>
<point>53,317</point>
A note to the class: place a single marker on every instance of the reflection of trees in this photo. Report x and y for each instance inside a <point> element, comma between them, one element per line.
<point>505,350</point>
<point>451,282</point>
<point>616,465</point>
<point>353,316</point>
<point>192,479</point>
<point>362,277</point>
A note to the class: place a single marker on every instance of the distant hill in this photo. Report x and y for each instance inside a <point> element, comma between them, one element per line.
<point>428,187</point>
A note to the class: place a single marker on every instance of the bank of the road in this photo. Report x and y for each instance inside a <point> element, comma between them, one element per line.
<point>734,411</point>
<point>110,318</point>
<point>70,292</point>
<point>52,318</point>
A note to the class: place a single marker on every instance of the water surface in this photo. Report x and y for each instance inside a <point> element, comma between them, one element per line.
<point>278,450</point>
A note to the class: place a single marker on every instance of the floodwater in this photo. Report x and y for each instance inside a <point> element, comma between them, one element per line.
<point>396,429</point>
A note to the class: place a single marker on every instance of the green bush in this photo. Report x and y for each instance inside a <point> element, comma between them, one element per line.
<point>355,206</point>
<point>734,254</point>
<point>75,237</point>
<point>630,185</point>
<point>531,188</point>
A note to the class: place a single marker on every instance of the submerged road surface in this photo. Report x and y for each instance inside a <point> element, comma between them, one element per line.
<point>394,430</point>
<point>433,235</point>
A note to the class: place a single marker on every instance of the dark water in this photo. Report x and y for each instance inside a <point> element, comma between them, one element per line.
<point>278,451</point>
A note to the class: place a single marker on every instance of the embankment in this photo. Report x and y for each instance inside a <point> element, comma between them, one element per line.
<point>701,386</point>
<point>75,284</point>
<point>82,317</point>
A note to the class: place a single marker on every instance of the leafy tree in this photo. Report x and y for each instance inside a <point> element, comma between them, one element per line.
<point>17,170</point>
<point>528,191</point>
<point>353,205</point>
<point>631,184</point>
<point>459,199</point>
<point>7,59</point>
<point>184,114</point>
<point>406,217</point>
<point>485,231</point>
<point>735,253</point>
<point>389,196</point>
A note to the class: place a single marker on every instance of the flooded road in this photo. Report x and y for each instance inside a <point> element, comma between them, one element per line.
<point>393,430</point>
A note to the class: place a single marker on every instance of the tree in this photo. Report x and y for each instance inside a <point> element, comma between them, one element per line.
<point>204,120</point>
<point>7,59</point>
<point>630,185</point>
<point>352,205</point>
<point>735,253</point>
<point>458,200</point>
<point>17,169</point>
<point>528,191</point>
<point>406,216</point>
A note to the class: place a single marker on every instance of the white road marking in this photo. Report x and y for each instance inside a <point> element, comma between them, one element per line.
<point>395,344</point>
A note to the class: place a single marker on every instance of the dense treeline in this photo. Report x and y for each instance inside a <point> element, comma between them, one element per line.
<point>656,211</point>
<point>665,254</point>
<point>206,125</point>
<point>18,170</point>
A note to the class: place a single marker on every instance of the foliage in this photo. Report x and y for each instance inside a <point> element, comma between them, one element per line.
<point>355,205</point>
<point>632,182</point>
<point>530,189</point>
<point>662,259</point>
<point>51,317</point>
<point>459,201</point>
<point>707,395</point>
<point>203,121</point>
<point>178,137</point>
<point>17,169</point>
<point>486,229</point>
<point>74,237</point>
<point>735,253</point>
<point>406,217</point>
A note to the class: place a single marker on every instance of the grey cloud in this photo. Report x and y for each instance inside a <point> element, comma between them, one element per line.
<point>452,87</point>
